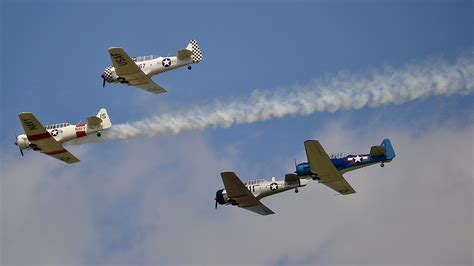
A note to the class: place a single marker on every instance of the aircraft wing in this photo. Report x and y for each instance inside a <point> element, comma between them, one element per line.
<point>39,136</point>
<point>126,68</point>
<point>237,191</point>
<point>320,164</point>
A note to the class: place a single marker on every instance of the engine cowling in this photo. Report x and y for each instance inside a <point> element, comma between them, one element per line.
<point>303,169</point>
<point>109,75</point>
<point>22,142</point>
<point>221,197</point>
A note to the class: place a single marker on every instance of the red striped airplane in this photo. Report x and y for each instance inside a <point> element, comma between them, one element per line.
<point>49,139</point>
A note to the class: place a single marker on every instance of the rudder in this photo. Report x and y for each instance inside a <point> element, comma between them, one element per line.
<point>389,151</point>
<point>102,114</point>
<point>194,47</point>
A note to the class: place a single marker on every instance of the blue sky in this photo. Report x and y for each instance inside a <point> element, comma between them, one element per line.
<point>124,191</point>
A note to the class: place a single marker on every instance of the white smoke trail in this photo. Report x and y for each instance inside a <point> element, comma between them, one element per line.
<point>435,77</point>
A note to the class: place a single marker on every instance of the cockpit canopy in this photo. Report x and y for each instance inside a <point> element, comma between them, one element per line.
<point>254,182</point>
<point>338,155</point>
<point>144,58</point>
<point>57,125</point>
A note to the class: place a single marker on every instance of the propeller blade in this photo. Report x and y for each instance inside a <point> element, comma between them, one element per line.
<point>16,144</point>
<point>216,204</point>
<point>103,82</point>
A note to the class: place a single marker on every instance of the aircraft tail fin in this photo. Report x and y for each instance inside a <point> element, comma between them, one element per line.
<point>102,114</point>
<point>194,47</point>
<point>389,151</point>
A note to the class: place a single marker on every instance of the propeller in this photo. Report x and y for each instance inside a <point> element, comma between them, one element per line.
<point>295,166</point>
<point>103,80</point>
<point>21,151</point>
<point>215,207</point>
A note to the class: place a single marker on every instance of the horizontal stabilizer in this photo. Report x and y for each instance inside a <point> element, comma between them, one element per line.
<point>291,178</point>
<point>93,121</point>
<point>377,151</point>
<point>183,54</point>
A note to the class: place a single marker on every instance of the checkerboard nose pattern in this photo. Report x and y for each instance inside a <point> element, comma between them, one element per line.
<point>197,54</point>
<point>108,75</point>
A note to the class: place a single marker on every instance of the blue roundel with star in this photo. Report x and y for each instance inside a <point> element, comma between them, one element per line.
<point>166,62</point>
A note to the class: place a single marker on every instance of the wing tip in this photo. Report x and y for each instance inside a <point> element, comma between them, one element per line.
<point>24,113</point>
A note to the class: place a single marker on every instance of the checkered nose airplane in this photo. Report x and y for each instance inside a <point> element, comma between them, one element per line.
<point>49,139</point>
<point>322,167</point>
<point>137,71</point>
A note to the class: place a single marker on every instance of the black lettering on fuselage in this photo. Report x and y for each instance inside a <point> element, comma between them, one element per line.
<point>29,124</point>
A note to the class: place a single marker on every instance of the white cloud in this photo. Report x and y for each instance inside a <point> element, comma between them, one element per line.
<point>159,196</point>
<point>45,215</point>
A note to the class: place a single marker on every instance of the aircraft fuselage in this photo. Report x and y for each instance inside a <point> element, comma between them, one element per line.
<point>262,188</point>
<point>150,67</point>
<point>62,133</point>
<point>345,163</point>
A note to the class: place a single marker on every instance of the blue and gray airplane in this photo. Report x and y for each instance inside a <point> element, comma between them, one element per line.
<point>325,168</point>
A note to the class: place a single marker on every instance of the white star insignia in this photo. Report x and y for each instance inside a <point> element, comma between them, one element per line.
<point>273,186</point>
<point>166,62</point>
<point>357,159</point>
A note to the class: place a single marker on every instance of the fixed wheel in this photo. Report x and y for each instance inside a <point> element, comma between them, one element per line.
<point>296,190</point>
<point>190,67</point>
<point>382,165</point>
<point>99,134</point>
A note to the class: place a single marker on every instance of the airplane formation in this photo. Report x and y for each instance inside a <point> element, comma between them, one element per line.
<point>322,167</point>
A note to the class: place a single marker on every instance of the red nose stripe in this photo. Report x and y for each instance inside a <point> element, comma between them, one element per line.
<point>39,136</point>
<point>55,152</point>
